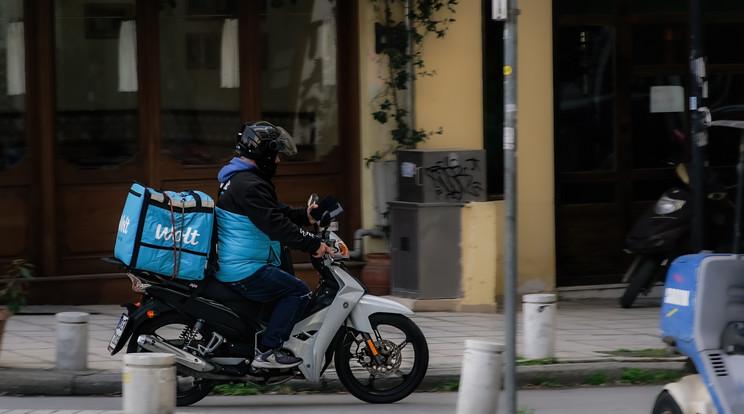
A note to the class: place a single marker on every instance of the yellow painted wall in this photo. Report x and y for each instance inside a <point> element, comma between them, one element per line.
<point>452,99</point>
<point>535,181</point>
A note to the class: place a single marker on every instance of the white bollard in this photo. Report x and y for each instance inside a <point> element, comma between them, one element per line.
<point>538,312</point>
<point>480,378</point>
<point>72,340</point>
<point>149,383</point>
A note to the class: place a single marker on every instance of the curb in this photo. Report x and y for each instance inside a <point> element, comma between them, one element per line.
<point>109,382</point>
<point>22,381</point>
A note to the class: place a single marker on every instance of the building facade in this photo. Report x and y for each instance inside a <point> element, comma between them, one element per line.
<point>98,94</point>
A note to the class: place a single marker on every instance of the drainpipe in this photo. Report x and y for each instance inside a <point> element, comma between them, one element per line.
<point>409,67</point>
<point>356,253</point>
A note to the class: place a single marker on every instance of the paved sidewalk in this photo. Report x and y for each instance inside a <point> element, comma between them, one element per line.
<point>586,330</point>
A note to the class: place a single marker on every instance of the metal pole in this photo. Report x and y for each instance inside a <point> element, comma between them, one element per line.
<point>698,95</point>
<point>510,198</point>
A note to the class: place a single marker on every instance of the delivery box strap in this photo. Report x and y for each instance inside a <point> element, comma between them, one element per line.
<point>187,251</point>
<point>177,245</point>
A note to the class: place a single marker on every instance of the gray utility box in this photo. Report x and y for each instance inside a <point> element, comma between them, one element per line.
<point>425,240</point>
<point>441,176</point>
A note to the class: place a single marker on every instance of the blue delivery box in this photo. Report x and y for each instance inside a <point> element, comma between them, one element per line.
<point>166,232</point>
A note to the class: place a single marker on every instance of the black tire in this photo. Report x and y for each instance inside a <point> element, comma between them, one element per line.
<point>665,404</point>
<point>170,327</point>
<point>406,360</point>
<point>640,280</point>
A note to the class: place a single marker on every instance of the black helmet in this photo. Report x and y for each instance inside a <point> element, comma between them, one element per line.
<point>261,141</point>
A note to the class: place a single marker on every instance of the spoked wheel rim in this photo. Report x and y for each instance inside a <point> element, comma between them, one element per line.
<point>403,354</point>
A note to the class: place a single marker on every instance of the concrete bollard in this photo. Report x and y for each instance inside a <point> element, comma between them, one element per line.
<point>538,312</point>
<point>72,340</point>
<point>149,383</point>
<point>480,378</point>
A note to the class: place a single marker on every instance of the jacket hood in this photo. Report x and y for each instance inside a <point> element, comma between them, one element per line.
<point>235,166</point>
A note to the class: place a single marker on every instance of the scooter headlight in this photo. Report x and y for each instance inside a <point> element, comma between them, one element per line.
<point>667,205</point>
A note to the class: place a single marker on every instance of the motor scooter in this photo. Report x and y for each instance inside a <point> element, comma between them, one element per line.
<point>377,351</point>
<point>702,317</point>
<point>662,233</point>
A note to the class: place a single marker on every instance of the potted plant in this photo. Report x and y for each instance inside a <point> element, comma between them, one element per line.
<point>13,283</point>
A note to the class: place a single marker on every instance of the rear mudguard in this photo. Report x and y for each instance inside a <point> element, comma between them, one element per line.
<point>138,313</point>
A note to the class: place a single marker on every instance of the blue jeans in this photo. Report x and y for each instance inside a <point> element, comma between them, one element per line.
<point>287,294</point>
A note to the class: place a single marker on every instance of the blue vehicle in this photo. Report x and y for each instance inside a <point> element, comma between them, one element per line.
<point>702,317</point>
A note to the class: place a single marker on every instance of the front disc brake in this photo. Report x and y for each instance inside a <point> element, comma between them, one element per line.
<point>391,360</point>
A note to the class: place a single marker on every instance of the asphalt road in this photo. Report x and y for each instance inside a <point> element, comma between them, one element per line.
<point>590,400</point>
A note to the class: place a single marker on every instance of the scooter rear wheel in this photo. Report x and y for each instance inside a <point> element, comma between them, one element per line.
<point>171,327</point>
<point>640,280</point>
<point>665,404</point>
<point>406,358</point>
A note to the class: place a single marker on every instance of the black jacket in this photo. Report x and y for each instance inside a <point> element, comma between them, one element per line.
<point>250,194</point>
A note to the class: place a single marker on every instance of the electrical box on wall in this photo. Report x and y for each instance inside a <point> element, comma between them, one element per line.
<point>441,176</point>
<point>425,241</point>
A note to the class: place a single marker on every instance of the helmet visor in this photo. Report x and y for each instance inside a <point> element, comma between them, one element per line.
<point>286,144</point>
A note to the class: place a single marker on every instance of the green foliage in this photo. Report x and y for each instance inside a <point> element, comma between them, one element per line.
<point>597,378</point>
<point>447,387</point>
<point>237,389</point>
<point>403,63</point>
<point>640,353</point>
<point>14,281</point>
<point>537,361</point>
<point>640,376</point>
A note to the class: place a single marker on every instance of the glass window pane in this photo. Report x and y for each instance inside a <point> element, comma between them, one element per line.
<point>565,7</point>
<point>585,99</point>
<point>660,43</point>
<point>13,146</point>
<point>96,81</point>
<point>199,78</point>
<point>725,101</point>
<point>587,193</point>
<point>725,43</point>
<point>298,82</point>
<point>658,6</point>
<point>724,5</point>
<point>660,139</point>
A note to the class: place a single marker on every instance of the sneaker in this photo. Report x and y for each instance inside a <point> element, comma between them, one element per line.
<point>274,358</point>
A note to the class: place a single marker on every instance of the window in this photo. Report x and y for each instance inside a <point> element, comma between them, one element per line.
<point>96,81</point>
<point>13,147</point>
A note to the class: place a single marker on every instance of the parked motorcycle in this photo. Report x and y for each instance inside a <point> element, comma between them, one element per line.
<point>378,353</point>
<point>662,233</point>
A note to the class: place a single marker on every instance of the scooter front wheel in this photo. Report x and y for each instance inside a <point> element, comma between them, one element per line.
<point>665,404</point>
<point>396,372</point>
<point>640,280</point>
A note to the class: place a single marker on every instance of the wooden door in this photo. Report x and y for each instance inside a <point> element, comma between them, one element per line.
<point>174,127</point>
<point>616,154</point>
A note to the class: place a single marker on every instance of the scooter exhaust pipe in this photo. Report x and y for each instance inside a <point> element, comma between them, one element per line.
<point>194,362</point>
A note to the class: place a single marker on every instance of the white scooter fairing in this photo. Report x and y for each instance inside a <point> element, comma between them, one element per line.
<point>351,307</point>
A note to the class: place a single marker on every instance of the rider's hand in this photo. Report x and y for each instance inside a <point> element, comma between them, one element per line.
<point>323,250</point>
<point>310,208</point>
